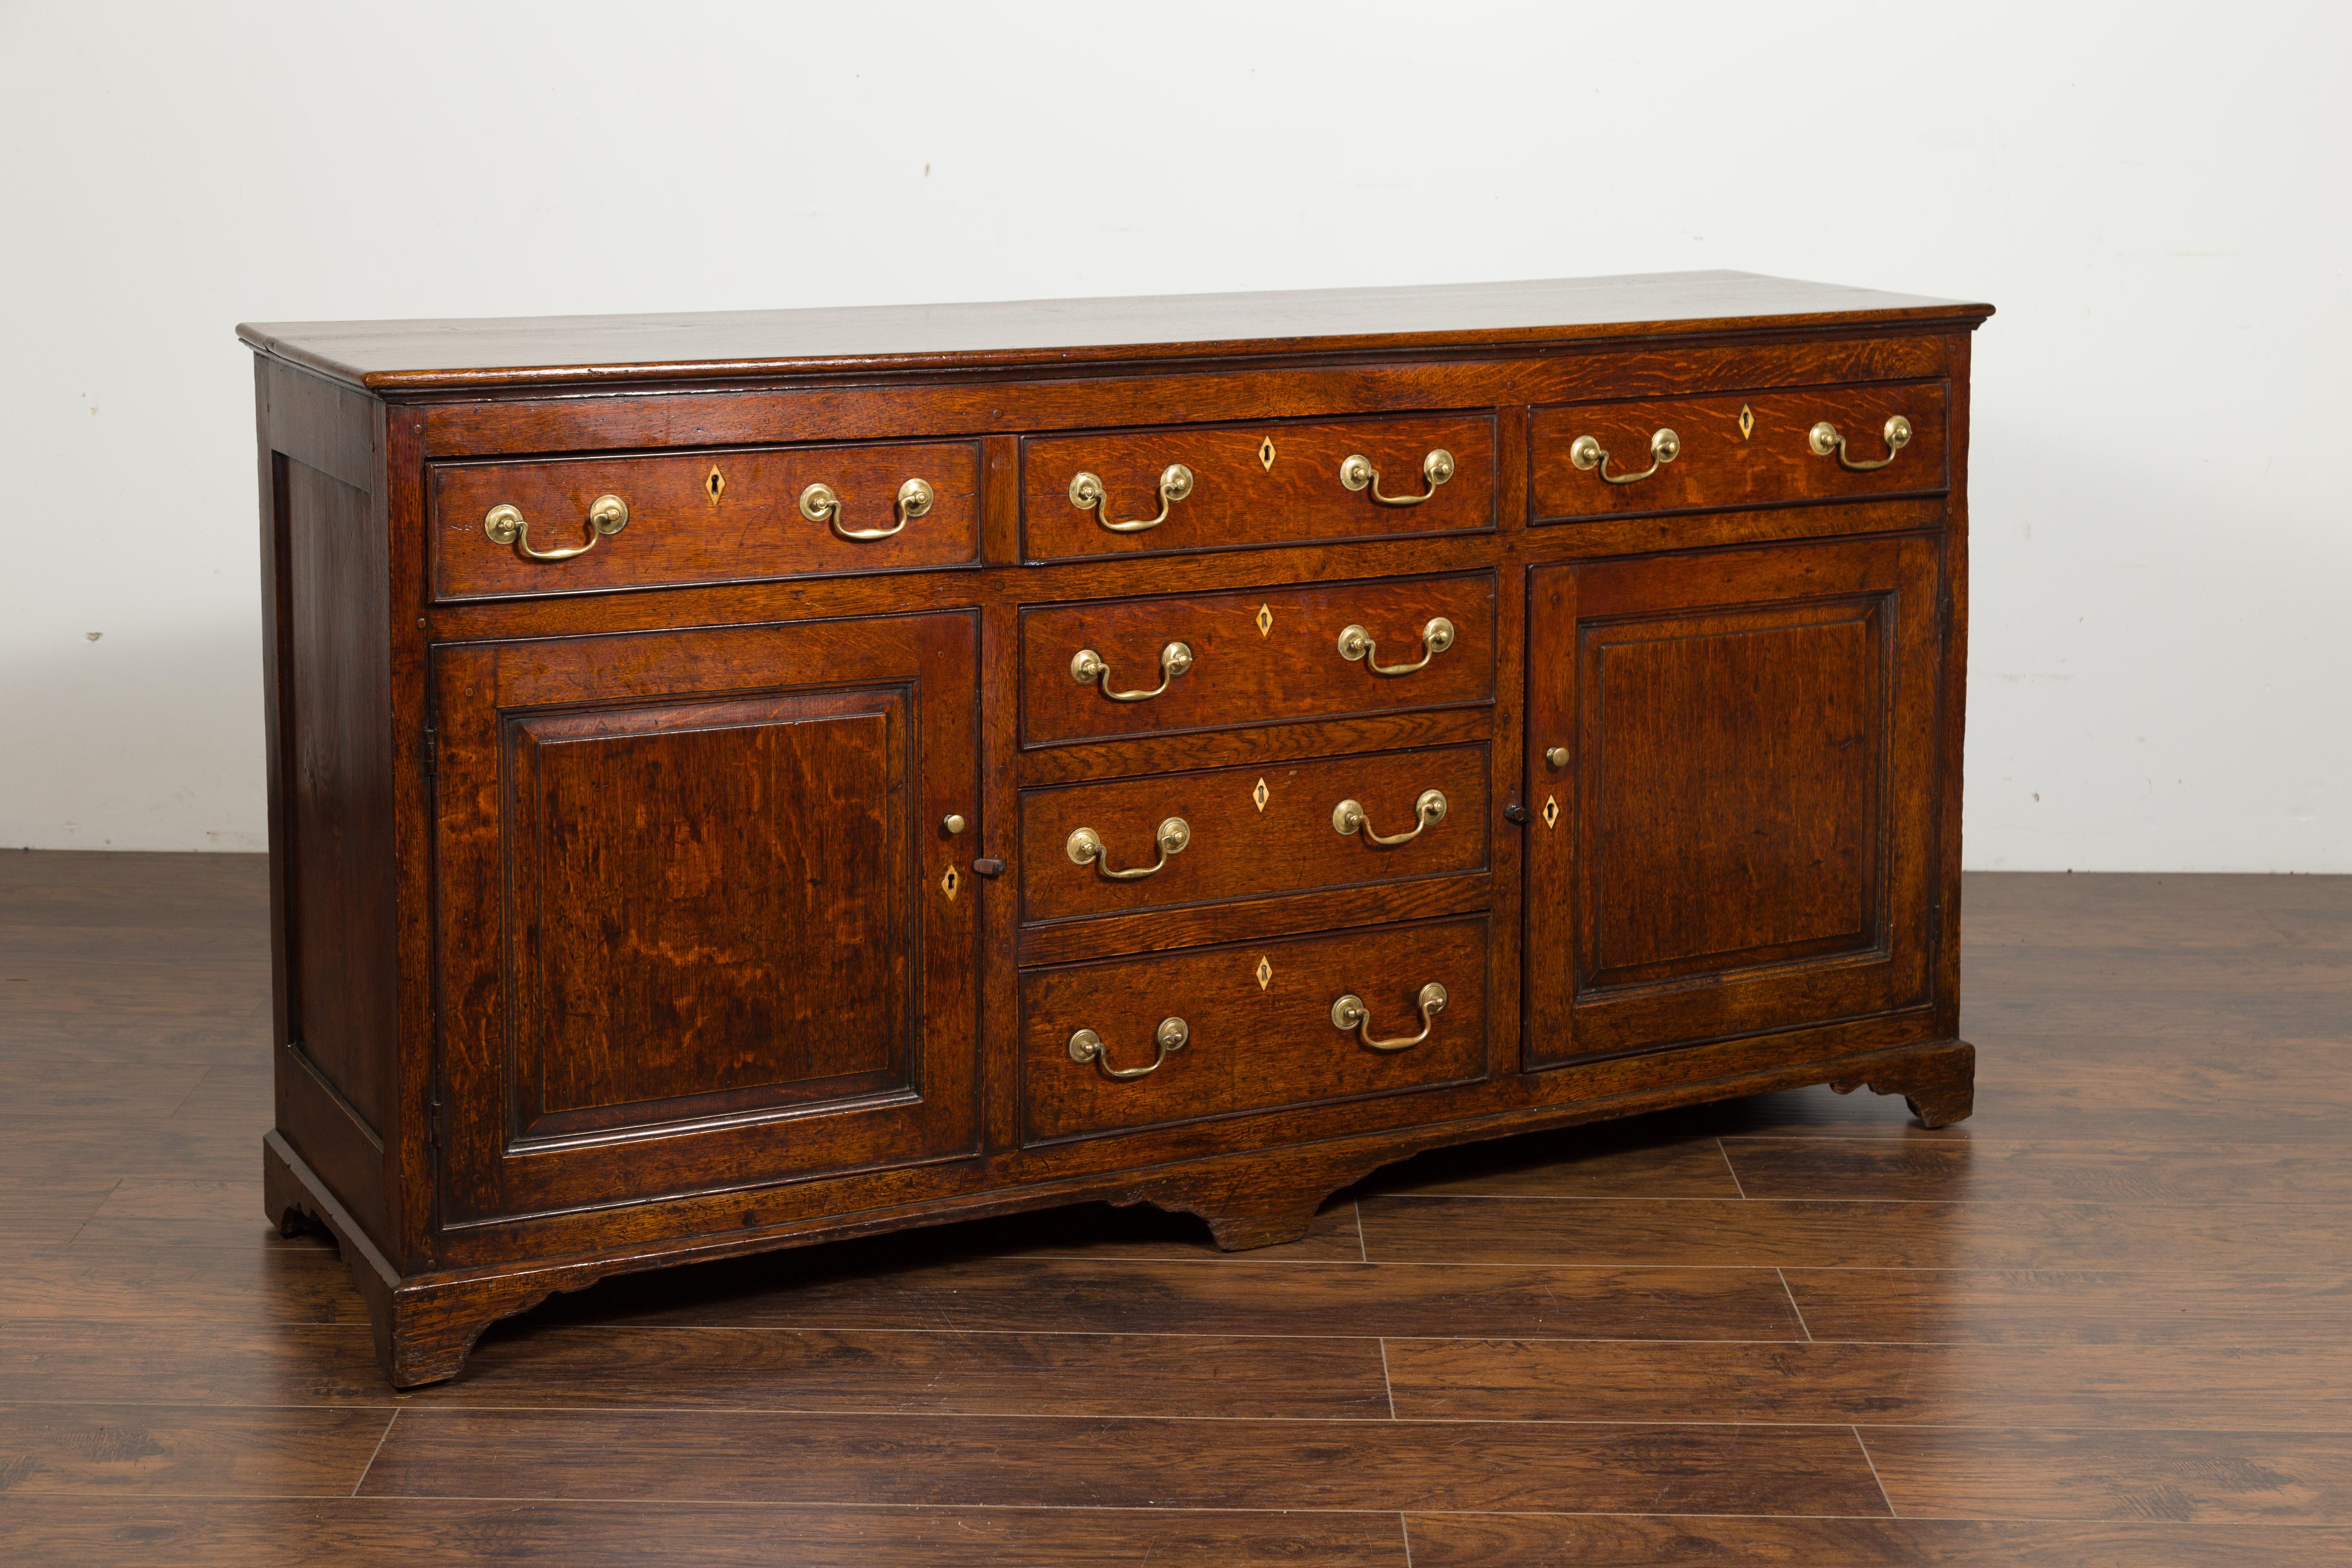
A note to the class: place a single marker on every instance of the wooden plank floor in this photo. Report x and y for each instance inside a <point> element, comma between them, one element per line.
<point>2104,1323</point>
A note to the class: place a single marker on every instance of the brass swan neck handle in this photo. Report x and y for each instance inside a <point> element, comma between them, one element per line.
<point>505,524</point>
<point>1086,1046</point>
<point>1348,818</point>
<point>1355,643</point>
<point>820,504</point>
<point>1349,1013</point>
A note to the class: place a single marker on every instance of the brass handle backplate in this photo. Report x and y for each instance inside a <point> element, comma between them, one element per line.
<point>1086,847</point>
<point>1087,493</point>
<point>1355,643</point>
<point>819,504</point>
<point>1356,473</point>
<point>505,524</point>
<point>1825,441</point>
<point>1086,1046</point>
<point>1087,668</point>
<point>1588,453</point>
<point>1348,818</point>
<point>1349,1013</point>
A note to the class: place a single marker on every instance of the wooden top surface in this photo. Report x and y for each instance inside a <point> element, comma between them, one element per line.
<point>556,350</point>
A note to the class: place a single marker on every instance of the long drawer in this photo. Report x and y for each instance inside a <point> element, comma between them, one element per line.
<point>503,529</point>
<point>1214,660</point>
<point>1226,486</point>
<point>1130,845</point>
<point>1674,454</point>
<point>1217,1031</point>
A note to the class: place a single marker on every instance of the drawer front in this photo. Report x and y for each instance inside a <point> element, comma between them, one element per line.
<point>1249,832</point>
<point>1241,485</point>
<point>713,517</point>
<point>1735,451</point>
<point>1257,1028</point>
<point>1254,657</point>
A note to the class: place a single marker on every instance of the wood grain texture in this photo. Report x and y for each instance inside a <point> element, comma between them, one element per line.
<point>1253,1044</point>
<point>2279,1386</point>
<point>1255,485</point>
<point>1242,674</point>
<point>1239,848</point>
<point>1722,465</point>
<point>382,1532</point>
<point>413,356</point>
<point>2147,1379</point>
<point>136,1450</point>
<point>1529,1541</point>
<point>1770,1233</point>
<point>2189,1477</point>
<point>1060,1462</point>
<point>685,526</point>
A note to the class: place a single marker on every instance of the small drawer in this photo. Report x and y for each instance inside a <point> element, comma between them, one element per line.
<point>1240,833</point>
<point>1223,487</point>
<point>1766,448</point>
<point>1219,660</point>
<point>711,516</point>
<point>1251,1027</point>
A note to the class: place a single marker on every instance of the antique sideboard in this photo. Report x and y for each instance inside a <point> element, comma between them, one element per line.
<point>738,781</point>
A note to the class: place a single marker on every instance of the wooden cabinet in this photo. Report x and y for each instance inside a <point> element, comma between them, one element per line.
<point>738,781</point>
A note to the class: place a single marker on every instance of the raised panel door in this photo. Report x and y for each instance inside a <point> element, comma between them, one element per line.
<point>700,925</point>
<point>1731,791</point>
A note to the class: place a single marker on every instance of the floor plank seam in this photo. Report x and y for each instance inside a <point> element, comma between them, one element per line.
<point>382,1438</point>
<point>1801,1324</point>
<point>1875,1478</point>
<point>1387,1384</point>
<point>1405,1529</point>
<point>1737,1185</point>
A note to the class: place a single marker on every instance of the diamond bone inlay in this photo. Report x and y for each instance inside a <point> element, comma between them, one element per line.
<point>1265,973</point>
<point>1746,421</point>
<point>1550,810</point>
<point>716,482</point>
<point>1266,453</point>
<point>950,882</point>
<point>1266,620</point>
<point>1259,795</point>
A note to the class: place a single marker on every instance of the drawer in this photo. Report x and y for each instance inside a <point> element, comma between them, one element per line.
<point>1256,1027</point>
<point>708,517</point>
<point>1199,487</point>
<point>1243,833</point>
<point>1759,450</point>
<point>1217,660</point>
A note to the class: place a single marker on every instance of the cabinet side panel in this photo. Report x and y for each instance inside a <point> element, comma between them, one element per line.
<point>332,776</point>
<point>339,811</point>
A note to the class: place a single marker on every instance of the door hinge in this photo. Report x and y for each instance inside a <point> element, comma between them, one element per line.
<point>432,752</point>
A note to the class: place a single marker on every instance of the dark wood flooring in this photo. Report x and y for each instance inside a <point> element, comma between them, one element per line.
<point>2104,1323</point>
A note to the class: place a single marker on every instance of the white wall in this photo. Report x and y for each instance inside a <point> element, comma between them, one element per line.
<point>2154,194</point>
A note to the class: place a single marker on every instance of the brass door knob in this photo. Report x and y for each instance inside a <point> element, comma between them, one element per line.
<point>1557,757</point>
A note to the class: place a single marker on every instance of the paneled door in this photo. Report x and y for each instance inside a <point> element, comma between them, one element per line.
<point>1731,766</point>
<point>702,922</point>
